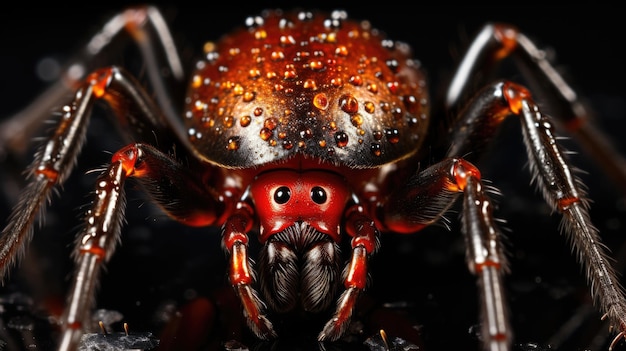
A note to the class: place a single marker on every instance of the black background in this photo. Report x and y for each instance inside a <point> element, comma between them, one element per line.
<point>160,261</point>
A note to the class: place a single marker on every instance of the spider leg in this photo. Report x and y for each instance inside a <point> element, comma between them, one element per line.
<point>95,246</point>
<point>553,175</point>
<point>561,189</point>
<point>159,174</point>
<point>365,242</point>
<point>426,198</point>
<point>56,158</point>
<point>497,42</point>
<point>146,26</point>
<point>55,161</point>
<point>235,242</point>
<point>485,257</point>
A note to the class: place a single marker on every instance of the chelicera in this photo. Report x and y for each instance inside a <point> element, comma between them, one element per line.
<point>305,129</point>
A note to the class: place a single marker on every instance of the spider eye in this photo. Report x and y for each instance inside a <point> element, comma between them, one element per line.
<point>282,195</point>
<point>318,195</point>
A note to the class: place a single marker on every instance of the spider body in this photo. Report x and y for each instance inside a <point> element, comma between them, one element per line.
<point>306,120</point>
<point>284,109</point>
<point>304,129</point>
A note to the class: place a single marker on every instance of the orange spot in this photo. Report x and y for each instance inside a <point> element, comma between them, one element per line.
<point>196,81</point>
<point>507,36</point>
<point>316,65</point>
<point>265,134</point>
<point>233,144</point>
<point>135,18</point>
<point>357,120</point>
<point>99,80</point>
<point>356,80</point>
<point>127,156</point>
<point>566,202</point>
<point>489,263</point>
<point>94,250</point>
<point>320,101</point>
<point>500,337</point>
<point>461,171</point>
<point>349,104</point>
<point>515,94</point>
<point>48,172</point>
<point>260,34</point>
<point>341,50</point>
<point>270,123</point>
<point>245,121</point>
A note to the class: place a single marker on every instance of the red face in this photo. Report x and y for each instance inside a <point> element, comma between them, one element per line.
<point>284,197</point>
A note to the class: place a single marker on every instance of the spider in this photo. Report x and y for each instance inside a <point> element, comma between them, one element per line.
<point>369,172</point>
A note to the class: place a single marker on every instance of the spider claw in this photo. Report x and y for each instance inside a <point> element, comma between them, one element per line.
<point>617,338</point>
<point>338,325</point>
<point>262,328</point>
<point>253,310</point>
<point>333,330</point>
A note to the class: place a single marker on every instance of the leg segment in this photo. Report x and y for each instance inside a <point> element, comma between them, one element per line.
<point>555,178</point>
<point>95,245</point>
<point>56,158</point>
<point>365,242</point>
<point>425,198</point>
<point>146,27</point>
<point>422,201</point>
<point>497,42</point>
<point>235,242</point>
<point>485,256</point>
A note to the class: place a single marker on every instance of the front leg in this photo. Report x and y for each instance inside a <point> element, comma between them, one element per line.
<point>235,243</point>
<point>365,242</point>
<point>424,199</point>
<point>175,189</point>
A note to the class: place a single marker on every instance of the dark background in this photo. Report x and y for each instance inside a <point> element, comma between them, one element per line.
<point>161,266</point>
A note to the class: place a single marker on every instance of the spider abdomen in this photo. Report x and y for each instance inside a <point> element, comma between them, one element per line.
<point>305,83</point>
